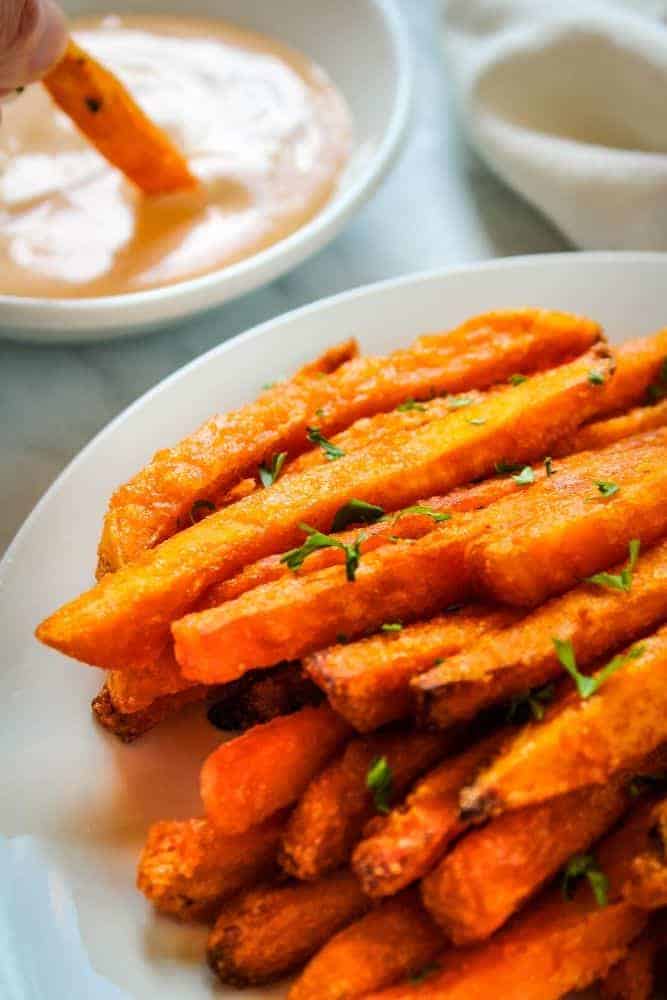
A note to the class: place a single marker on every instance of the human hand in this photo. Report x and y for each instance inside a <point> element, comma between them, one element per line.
<point>33,35</point>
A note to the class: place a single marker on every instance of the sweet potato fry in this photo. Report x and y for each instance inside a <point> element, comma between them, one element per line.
<point>367,682</point>
<point>581,530</point>
<point>481,352</point>
<point>415,835</point>
<point>555,945</point>
<point>492,871</point>
<point>394,940</point>
<point>187,867</point>
<point>646,885</point>
<point>633,978</point>
<point>519,550</point>
<point>582,741</point>
<point>331,814</point>
<point>604,432</point>
<point>268,931</point>
<point>100,106</point>
<point>639,372</point>
<point>264,695</point>
<point>507,664</point>
<point>268,767</point>
<point>123,622</point>
<point>129,726</point>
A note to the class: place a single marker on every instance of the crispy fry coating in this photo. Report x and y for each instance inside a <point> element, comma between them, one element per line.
<point>100,106</point>
<point>123,622</point>
<point>481,352</point>
<point>578,531</point>
<point>331,814</point>
<point>639,365</point>
<point>415,835</point>
<point>509,663</point>
<point>581,741</point>
<point>555,945</point>
<point>272,929</point>
<point>646,885</point>
<point>254,775</point>
<point>633,978</point>
<point>604,432</point>
<point>394,940</point>
<point>367,682</point>
<point>129,726</point>
<point>187,867</point>
<point>265,695</point>
<point>492,871</point>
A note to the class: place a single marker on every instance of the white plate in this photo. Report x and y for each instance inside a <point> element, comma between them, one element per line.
<point>92,799</point>
<point>363,47</point>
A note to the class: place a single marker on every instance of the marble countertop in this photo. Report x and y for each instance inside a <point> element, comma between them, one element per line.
<point>440,206</point>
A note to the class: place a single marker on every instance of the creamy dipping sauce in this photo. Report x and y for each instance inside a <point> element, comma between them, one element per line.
<point>261,126</point>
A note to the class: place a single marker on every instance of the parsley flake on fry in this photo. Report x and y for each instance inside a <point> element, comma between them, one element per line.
<point>596,378</point>
<point>525,477</point>
<point>411,404</point>
<point>315,540</point>
<point>607,489</point>
<point>391,627</point>
<point>585,866</point>
<point>623,580</point>
<point>379,781</point>
<point>549,467</point>
<point>331,451</point>
<point>436,515</point>
<point>517,379</point>
<point>457,402</point>
<point>268,474</point>
<point>588,686</point>
<point>356,512</point>
<point>532,703</point>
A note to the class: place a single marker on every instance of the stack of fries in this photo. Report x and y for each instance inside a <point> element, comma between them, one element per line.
<point>431,589</point>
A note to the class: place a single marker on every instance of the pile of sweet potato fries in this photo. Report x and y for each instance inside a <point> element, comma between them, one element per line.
<point>431,590</point>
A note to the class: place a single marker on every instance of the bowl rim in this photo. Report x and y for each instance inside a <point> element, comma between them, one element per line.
<point>275,260</point>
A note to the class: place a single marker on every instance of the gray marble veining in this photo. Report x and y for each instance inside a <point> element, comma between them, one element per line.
<point>440,206</point>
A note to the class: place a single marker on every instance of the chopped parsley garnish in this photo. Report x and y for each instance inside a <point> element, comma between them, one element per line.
<point>318,540</point>
<point>356,512</point>
<point>411,404</point>
<point>596,378</point>
<point>532,703</point>
<point>607,489</point>
<point>658,390</point>
<point>588,686</point>
<point>331,450</point>
<point>201,509</point>
<point>623,580</point>
<point>585,866</point>
<point>319,412</point>
<point>456,402</point>
<point>517,379</point>
<point>549,466</point>
<point>392,627</point>
<point>476,421</point>
<point>436,515</point>
<point>503,468</point>
<point>525,477</point>
<point>424,973</point>
<point>380,781</point>
<point>268,474</point>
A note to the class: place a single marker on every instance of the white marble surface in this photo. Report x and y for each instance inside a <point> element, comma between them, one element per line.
<point>440,206</point>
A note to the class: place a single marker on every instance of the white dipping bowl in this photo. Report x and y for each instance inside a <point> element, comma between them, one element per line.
<point>362,45</point>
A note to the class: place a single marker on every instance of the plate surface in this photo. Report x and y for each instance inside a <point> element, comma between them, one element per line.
<point>90,798</point>
<point>362,46</point>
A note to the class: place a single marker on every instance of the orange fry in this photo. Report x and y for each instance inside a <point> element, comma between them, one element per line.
<point>639,374</point>
<point>100,106</point>
<point>554,946</point>
<point>268,767</point>
<point>604,432</point>
<point>582,741</point>
<point>330,815</point>
<point>414,836</point>
<point>481,352</point>
<point>633,978</point>
<point>508,664</point>
<point>129,726</point>
<point>270,930</point>
<point>646,885</point>
<point>187,867</point>
<point>394,940</point>
<point>367,682</point>
<point>123,622</point>
<point>492,871</point>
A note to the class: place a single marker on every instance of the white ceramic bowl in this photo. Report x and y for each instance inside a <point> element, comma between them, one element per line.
<point>89,799</point>
<point>362,46</point>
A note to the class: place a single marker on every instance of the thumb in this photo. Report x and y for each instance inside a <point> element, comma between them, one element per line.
<point>33,36</point>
